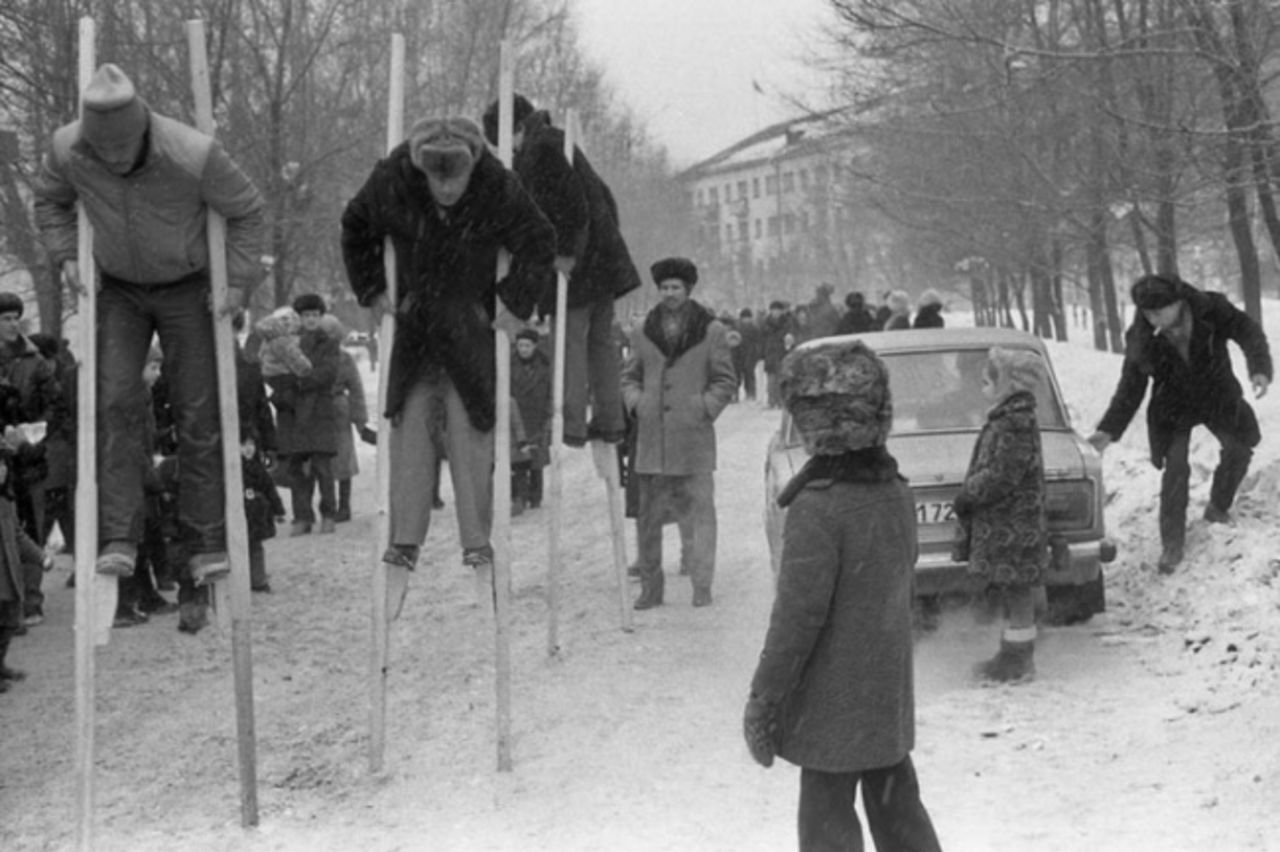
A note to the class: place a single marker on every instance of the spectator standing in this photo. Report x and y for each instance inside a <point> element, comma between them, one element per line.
<point>747,355</point>
<point>262,506</point>
<point>449,206</point>
<point>590,251</point>
<point>307,430</point>
<point>824,316</point>
<point>16,551</point>
<point>147,183</point>
<point>774,329</point>
<point>60,444</point>
<point>929,310</point>
<point>1178,343</point>
<point>531,390</point>
<point>677,381</point>
<point>899,317</point>
<point>833,691</point>
<point>1002,532</point>
<point>857,319</point>
<point>350,412</point>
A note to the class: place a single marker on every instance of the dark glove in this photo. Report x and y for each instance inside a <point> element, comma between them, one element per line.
<point>368,435</point>
<point>760,729</point>
<point>963,505</point>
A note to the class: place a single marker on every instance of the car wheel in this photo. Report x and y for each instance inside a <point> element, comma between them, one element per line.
<point>1076,604</point>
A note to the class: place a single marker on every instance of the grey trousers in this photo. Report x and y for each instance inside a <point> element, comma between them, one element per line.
<point>591,373</point>
<point>690,502</point>
<point>414,466</point>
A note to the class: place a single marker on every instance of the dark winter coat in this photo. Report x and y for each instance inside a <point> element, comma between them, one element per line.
<point>837,660</point>
<point>929,316</point>
<point>349,410</point>
<point>1001,503</point>
<point>307,420</point>
<point>262,503</point>
<point>856,321</point>
<point>583,212</point>
<point>446,261</point>
<point>531,391</point>
<point>773,333</point>
<point>1203,391</point>
<point>16,547</point>
<point>678,392</point>
<point>256,419</point>
<point>824,317</point>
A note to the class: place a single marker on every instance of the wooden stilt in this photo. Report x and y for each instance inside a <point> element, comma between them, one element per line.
<point>501,534</point>
<point>389,583</point>
<point>89,585</point>
<point>233,592</point>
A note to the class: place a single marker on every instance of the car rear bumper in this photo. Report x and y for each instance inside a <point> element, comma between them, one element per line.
<point>1071,564</point>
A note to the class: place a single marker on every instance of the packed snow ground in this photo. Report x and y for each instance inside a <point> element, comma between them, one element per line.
<point>1155,726</point>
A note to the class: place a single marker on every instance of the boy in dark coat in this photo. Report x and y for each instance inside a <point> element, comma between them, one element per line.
<point>262,505</point>
<point>1178,342</point>
<point>16,551</point>
<point>591,252</point>
<point>774,328</point>
<point>531,392</point>
<point>833,690</point>
<point>448,206</point>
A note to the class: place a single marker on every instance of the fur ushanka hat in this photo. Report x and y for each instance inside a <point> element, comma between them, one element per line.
<point>1013,370</point>
<point>838,395</point>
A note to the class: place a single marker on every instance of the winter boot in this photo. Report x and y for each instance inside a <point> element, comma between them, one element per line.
<point>1214,515</point>
<point>1170,558</point>
<point>192,617</point>
<point>651,583</point>
<point>327,525</point>
<point>701,596</point>
<point>480,560</point>
<point>344,501</point>
<point>1015,662</point>
<point>7,674</point>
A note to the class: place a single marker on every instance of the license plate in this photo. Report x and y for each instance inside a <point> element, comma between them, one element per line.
<point>935,512</point>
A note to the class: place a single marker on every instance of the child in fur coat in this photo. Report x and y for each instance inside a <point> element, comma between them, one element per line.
<point>281,352</point>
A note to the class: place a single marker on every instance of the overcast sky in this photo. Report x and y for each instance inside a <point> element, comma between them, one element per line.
<point>686,66</point>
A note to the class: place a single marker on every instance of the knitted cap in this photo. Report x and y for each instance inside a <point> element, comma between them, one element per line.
<point>1017,370</point>
<point>521,109</point>
<point>838,395</point>
<point>11,303</point>
<point>1153,292</point>
<point>445,148</point>
<point>113,114</point>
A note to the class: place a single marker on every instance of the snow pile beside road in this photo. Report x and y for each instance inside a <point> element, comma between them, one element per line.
<point>1217,618</point>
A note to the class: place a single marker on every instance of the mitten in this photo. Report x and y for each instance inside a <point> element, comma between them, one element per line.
<point>760,729</point>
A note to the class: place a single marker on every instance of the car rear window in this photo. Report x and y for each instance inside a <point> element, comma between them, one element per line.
<point>942,391</point>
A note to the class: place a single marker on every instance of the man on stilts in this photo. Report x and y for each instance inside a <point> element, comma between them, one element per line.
<point>448,206</point>
<point>147,183</point>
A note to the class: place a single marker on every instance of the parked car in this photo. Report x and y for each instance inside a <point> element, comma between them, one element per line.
<point>938,411</point>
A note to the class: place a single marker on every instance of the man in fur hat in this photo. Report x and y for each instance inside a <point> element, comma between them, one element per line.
<point>591,252</point>
<point>449,206</point>
<point>1178,342</point>
<point>677,380</point>
<point>833,692</point>
<point>147,183</point>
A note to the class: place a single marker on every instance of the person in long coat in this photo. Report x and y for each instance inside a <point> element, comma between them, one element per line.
<point>531,391</point>
<point>350,412</point>
<point>677,380</point>
<point>775,326</point>
<point>306,421</point>
<point>1178,343</point>
<point>1003,532</point>
<point>833,691</point>
<point>17,549</point>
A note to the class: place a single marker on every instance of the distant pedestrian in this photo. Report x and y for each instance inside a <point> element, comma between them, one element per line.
<point>1178,343</point>
<point>899,317</point>
<point>677,381</point>
<point>262,507</point>
<point>1003,533</point>
<point>929,310</point>
<point>824,317</point>
<point>531,392</point>
<point>775,328</point>
<point>857,319</point>
<point>833,690</point>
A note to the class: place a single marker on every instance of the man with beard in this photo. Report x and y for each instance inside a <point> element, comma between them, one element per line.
<point>448,206</point>
<point>677,380</point>
<point>1178,342</point>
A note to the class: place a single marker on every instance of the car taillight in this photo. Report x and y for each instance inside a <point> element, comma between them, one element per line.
<point>1069,505</point>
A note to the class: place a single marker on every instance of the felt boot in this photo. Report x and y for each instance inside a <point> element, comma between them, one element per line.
<point>1014,663</point>
<point>651,584</point>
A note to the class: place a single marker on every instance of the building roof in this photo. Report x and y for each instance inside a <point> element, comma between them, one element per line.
<point>806,134</point>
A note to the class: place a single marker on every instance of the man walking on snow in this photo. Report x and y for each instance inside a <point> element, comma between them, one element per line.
<point>147,183</point>
<point>677,380</point>
<point>449,206</point>
<point>1178,341</point>
<point>590,251</point>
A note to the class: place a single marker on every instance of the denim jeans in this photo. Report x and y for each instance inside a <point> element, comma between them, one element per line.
<point>128,315</point>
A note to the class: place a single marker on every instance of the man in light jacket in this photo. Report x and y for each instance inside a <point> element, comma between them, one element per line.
<point>677,380</point>
<point>147,184</point>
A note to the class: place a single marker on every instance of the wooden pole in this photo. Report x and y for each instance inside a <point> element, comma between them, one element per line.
<point>501,535</point>
<point>89,584</point>
<point>389,584</point>
<point>237,533</point>
<point>555,479</point>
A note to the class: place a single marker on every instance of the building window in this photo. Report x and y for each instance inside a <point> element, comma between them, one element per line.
<point>697,198</point>
<point>759,229</point>
<point>755,187</point>
<point>742,189</point>
<point>728,232</point>
<point>789,182</point>
<point>773,226</point>
<point>714,195</point>
<point>771,185</point>
<point>728,193</point>
<point>804,178</point>
<point>744,230</point>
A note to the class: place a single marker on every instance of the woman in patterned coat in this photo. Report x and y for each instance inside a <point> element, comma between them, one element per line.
<point>1003,532</point>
